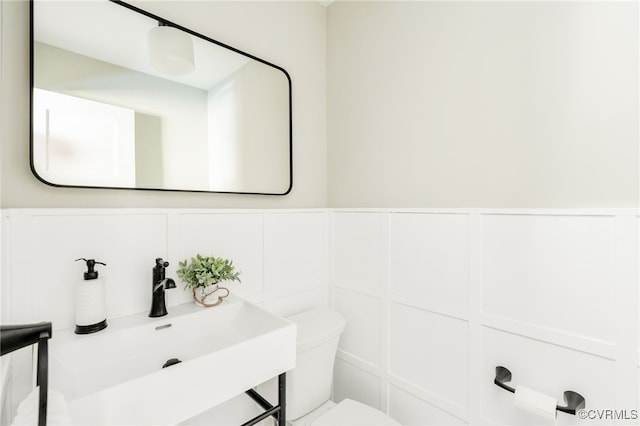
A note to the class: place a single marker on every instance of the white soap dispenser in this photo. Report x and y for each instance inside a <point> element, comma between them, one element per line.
<point>91,307</point>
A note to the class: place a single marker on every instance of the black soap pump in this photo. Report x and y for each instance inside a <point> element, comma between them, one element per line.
<point>91,307</point>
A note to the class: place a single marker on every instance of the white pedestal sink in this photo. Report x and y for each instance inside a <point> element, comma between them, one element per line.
<point>116,377</point>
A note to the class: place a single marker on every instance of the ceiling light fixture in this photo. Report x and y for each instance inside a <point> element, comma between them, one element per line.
<point>170,50</point>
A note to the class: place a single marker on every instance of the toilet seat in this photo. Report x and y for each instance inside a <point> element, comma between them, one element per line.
<point>351,413</point>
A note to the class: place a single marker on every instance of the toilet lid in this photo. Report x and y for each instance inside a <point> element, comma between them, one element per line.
<point>350,412</point>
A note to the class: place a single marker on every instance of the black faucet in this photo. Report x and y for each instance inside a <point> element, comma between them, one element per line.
<point>158,284</point>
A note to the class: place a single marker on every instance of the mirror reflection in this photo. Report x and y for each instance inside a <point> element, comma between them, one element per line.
<point>125,99</point>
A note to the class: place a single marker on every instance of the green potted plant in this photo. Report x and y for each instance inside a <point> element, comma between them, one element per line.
<point>202,275</point>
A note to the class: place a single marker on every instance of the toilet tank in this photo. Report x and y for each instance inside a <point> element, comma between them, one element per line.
<point>309,383</point>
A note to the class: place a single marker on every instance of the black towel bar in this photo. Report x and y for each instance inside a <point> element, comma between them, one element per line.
<point>573,400</point>
<point>14,337</point>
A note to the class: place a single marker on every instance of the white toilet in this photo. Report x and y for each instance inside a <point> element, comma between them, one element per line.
<point>309,383</point>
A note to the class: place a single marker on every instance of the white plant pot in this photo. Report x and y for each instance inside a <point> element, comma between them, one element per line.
<point>212,295</point>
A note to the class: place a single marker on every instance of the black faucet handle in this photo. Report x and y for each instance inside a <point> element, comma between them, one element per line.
<point>161,263</point>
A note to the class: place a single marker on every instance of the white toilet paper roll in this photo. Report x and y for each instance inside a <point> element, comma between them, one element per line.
<point>535,402</point>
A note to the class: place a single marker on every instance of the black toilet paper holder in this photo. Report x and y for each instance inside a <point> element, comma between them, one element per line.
<point>574,400</point>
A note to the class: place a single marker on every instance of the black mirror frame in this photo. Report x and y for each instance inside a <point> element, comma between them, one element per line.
<point>191,32</point>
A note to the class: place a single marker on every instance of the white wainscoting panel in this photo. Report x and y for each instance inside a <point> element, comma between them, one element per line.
<point>42,274</point>
<point>297,302</point>
<point>429,350</point>
<point>295,247</point>
<point>434,298</point>
<point>546,368</point>
<point>361,337</point>
<point>408,409</point>
<point>358,252</point>
<point>429,261</point>
<point>550,294</point>
<point>128,244</point>
<point>282,255</point>
<point>230,235</point>
<point>553,271</point>
<point>356,381</point>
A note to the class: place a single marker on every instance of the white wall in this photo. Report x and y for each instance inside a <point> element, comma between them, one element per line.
<point>483,104</point>
<point>436,299</point>
<point>281,253</point>
<point>431,104</point>
<point>289,34</point>
<point>282,256</point>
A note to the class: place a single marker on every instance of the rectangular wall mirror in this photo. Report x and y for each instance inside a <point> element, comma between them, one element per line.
<point>122,98</point>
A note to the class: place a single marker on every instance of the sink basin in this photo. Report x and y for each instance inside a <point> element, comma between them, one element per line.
<point>116,376</point>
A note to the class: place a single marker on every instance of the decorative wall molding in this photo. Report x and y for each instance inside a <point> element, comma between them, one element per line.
<point>525,283</point>
<point>427,292</point>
